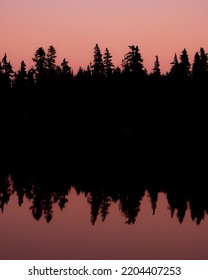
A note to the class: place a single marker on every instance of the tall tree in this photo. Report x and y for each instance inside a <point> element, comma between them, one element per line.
<point>6,72</point>
<point>65,72</point>
<point>40,64</point>
<point>80,73</point>
<point>204,63</point>
<point>184,65</point>
<point>51,58</point>
<point>31,77</point>
<point>133,63</point>
<point>174,71</point>
<point>108,64</point>
<point>156,69</point>
<point>97,66</point>
<point>200,66</point>
<point>65,68</point>
<point>21,76</point>
<point>196,68</point>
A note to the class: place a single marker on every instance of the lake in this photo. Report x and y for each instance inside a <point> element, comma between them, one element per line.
<point>124,204</point>
<point>89,228</point>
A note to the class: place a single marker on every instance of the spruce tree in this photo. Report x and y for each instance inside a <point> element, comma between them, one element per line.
<point>51,58</point>
<point>108,64</point>
<point>6,73</point>
<point>156,70</point>
<point>196,68</point>
<point>174,71</point>
<point>21,76</point>
<point>40,65</point>
<point>133,63</point>
<point>97,66</point>
<point>184,65</point>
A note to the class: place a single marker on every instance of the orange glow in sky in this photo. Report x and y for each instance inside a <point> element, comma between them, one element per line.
<point>158,27</point>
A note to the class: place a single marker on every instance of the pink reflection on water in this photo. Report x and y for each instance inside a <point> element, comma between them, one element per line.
<point>70,234</point>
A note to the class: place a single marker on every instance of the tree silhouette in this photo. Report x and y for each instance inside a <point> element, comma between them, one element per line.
<point>184,65</point>
<point>175,71</point>
<point>95,201</point>
<point>108,64</point>
<point>65,72</point>
<point>196,68</point>
<point>204,63</point>
<point>156,69</point>
<point>133,63</point>
<point>40,64</point>
<point>117,73</point>
<point>97,66</point>
<point>104,208</point>
<point>88,72</point>
<point>21,76</point>
<point>31,78</point>
<point>200,66</point>
<point>51,58</point>
<point>6,73</point>
<point>80,74</point>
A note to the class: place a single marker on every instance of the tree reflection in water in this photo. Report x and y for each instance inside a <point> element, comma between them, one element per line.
<point>44,194</point>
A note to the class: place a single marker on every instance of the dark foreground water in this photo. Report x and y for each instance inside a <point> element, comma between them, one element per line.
<point>124,202</point>
<point>70,234</point>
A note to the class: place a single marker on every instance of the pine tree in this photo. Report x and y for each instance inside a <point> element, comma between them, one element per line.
<point>108,64</point>
<point>156,70</point>
<point>184,65</point>
<point>133,63</point>
<point>204,63</point>
<point>65,68</point>
<point>65,71</point>
<point>80,73</point>
<point>40,64</point>
<point>31,77</point>
<point>200,66</point>
<point>97,66</point>
<point>174,71</point>
<point>51,58</point>
<point>21,76</point>
<point>88,72</point>
<point>196,68</point>
<point>7,73</point>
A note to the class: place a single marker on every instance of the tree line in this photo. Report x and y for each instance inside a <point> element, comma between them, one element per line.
<point>43,199</point>
<point>46,71</point>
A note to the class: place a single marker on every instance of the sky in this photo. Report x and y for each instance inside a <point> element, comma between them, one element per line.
<point>73,27</point>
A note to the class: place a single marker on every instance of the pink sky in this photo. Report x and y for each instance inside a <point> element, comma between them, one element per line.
<point>158,27</point>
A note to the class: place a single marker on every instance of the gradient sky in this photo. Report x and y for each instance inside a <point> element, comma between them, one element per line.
<point>158,27</point>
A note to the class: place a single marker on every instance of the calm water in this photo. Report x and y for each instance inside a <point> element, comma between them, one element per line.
<point>132,203</point>
<point>96,225</point>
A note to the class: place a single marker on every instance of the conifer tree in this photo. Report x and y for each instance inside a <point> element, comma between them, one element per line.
<point>184,65</point>
<point>133,63</point>
<point>97,66</point>
<point>156,70</point>
<point>6,73</point>
<point>51,58</point>
<point>21,76</point>
<point>174,71</point>
<point>108,64</point>
<point>40,64</point>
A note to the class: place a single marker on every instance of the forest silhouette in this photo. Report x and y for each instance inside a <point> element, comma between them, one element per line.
<point>122,176</point>
<point>48,102</point>
<point>60,129</point>
<point>43,195</point>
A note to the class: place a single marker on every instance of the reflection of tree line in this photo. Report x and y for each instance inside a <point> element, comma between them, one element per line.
<point>43,194</point>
